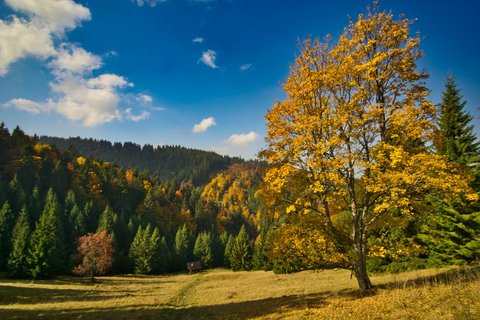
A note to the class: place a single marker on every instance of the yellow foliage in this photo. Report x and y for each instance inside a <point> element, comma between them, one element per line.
<point>147,185</point>
<point>129,176</point>
<point>81,161</point>
<point>41,148</point>
<point>352,135</point>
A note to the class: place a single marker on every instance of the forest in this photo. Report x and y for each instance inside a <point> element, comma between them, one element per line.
<point>360,172</point>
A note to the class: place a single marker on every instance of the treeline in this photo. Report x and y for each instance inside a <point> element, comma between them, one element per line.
<point>50,198</point>
<point>166,162</point>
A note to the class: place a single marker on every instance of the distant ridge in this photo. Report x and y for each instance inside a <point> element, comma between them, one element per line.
<point>167,162</point>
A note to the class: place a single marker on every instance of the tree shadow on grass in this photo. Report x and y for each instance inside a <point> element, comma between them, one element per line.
<point>11,294</point>
<point>454,276</point>
<point>236,311</point>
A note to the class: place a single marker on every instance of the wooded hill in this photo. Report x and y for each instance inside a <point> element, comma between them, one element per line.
<point>166,162</point>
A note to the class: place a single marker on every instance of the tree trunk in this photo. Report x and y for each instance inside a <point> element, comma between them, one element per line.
<point>360,268</point>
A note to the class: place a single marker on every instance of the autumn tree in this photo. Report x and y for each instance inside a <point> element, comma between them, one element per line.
<point>95,251</point>
<point>351,144</point>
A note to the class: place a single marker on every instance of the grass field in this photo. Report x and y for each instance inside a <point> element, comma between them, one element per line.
<point>450,293</point>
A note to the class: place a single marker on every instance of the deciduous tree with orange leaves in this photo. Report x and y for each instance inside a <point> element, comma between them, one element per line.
<point>351,144</point>
<point>95,251</point>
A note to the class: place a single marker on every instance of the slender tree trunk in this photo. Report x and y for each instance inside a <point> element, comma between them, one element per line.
<point>360,268</point>
<point>360,253</point>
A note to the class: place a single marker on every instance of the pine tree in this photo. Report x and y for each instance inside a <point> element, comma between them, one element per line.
<point>137,251</point>
<point>46,250</point>
<point>145,251</point>
<point>107,221</point>
<point>6,223</point>
<point>241,254</point>
<point>457,140</point>
<point>202,250</point>
<point>183,247</point>
<point>452,232</point>
<point>228,250</point>
<point>17,261</point>
<point>260,260</point>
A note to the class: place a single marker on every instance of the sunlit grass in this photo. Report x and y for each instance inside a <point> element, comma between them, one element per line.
<point>450,293</point>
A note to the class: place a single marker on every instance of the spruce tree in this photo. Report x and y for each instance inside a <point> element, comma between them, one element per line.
<point>260,260</point>
<point>457,140</point>
<point>145,251</point>
<point>183,247</point>
<point>452,231</point>
<point>17,261</point>
<point>138,251</point>
<point>241,254</point>
<point>6,223</point>
<point>203,250</point>
<point>228,250</point>
<point>46,250</point>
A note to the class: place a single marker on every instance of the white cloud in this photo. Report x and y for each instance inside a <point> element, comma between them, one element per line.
<point>59,15</point>
<point>198,40</point>
<point>108,80</point>
<point>246,67</point>
<point>208,58</point>
<point>25,105</point>
<point>92,102</point>
<point>76,60</point>
<point>20,38</point>
<point>136,118</point>
<point>151,3</point>
<point>243,139</point>
<point>204,125</point>
<point>144,98</point>
<point>77,95</point>
<point>33,36</point>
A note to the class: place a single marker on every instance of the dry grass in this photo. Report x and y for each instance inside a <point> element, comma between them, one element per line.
<point>220,294</point>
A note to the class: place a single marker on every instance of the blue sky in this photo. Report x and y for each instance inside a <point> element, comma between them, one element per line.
<point>196,73</point>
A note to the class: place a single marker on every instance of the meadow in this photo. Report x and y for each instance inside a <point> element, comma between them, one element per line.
<point>448,293</point>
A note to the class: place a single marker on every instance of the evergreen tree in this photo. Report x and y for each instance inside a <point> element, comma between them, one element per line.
<point>452,234</point>
<point>202,250</point>
<point>107,221</point>
<point>241,254</point>
<point>34,205</point>
<point>452,230</point>
<point>228,250</point>
<point>6,223</point>
<point>162,256</point>
<point>183,247</point>
<point>46,250</point>
<point>17,261</point>
<point>457,140</point>
<point>260,259</point>
<point>17,195</point>
<point>145,250</point>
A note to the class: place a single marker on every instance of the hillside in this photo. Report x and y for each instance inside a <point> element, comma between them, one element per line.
<point>166,162</point>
